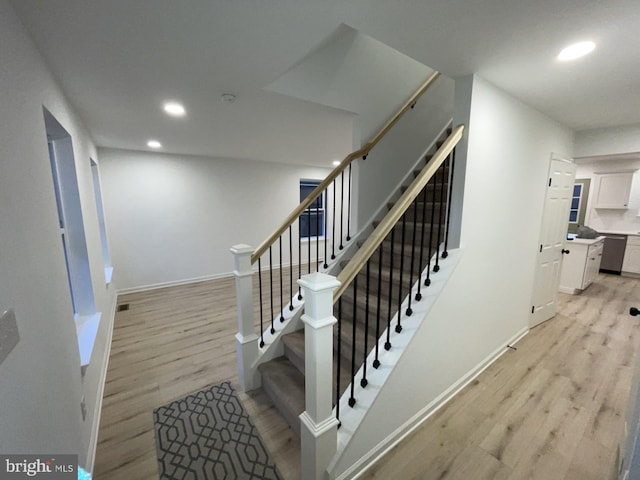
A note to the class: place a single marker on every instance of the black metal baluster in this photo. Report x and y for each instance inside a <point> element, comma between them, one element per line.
<point>273,330</point>
<point>363,382</point>
<point>325,233</point>
<point>427,281</point>
<point>424,219</point>
<point>352,400</point>
<point>309,238</point>
<point>398,324</point>
<point>387,344</point>
<point>376,362</point>
<point>261,306</point>
<point>317,234</point>
<point>436,267</point>
<point>341,209</point>
<point>413,254</point>
<point>452,161</point>
<point>291,267</point>
<point>333,223</point>
<point>300,255</point>
<point>281,291</point>
<point>349,208</point>
<point>339,353</point>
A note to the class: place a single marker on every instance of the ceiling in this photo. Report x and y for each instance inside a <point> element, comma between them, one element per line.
<point>117,60</point>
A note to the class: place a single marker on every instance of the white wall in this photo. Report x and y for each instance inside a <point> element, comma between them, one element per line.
<point>607,220</point>
<point>173,218</point>
<point>608,141</point>
<point>355,72</point>
<point>388,163</point>
<point>487,300</point>
<point>40,381</point>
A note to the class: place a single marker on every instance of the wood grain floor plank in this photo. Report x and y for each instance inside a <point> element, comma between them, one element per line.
<point>552,409</point>
<point>172,342</point>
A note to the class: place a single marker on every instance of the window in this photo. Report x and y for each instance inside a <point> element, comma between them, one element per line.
<point>575,203</point>
<point>313,219</point>
<point>97,190</point>
<point>72,234</point>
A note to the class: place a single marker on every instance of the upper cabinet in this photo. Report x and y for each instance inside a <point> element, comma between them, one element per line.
<point>614,190</point>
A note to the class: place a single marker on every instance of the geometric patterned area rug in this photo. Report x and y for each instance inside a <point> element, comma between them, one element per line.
<point>209,436</point>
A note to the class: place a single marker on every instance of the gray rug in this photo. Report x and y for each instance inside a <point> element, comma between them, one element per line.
<point>208,435</point>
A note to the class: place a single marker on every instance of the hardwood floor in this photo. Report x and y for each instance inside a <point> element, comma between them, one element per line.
<point>172,342</point>
<point>552,409</point>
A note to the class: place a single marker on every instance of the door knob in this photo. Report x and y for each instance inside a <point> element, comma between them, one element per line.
<point>633,311</point>
<point>566,252</point>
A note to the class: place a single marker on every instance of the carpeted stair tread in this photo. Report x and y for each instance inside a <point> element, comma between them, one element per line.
<point>294,348</point>
<point>346,342</point>
<point>284,383</point>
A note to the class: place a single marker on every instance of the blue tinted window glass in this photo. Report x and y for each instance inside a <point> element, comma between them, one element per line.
<point>575,203</point>
<point>577,190</point>
<point>573,216</point>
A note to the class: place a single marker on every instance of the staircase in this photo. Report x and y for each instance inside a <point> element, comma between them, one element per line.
<point>364,311</point>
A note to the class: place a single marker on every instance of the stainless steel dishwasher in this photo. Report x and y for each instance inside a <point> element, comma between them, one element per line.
<point>613,253</point>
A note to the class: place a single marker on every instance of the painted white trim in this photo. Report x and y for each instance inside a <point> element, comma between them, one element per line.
<point>570,291</point>
<point>145,288</point>
<point>361,466</point>
<point>204,278</point>
<point>87,331</point>
<point>97,409</point>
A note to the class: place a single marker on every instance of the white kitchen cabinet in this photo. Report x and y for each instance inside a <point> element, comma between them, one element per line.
<point>631,262</point>
<point>580,267</point>
<point>614,190</point>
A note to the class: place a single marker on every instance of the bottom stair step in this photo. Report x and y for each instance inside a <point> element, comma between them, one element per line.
<point>284,383</point>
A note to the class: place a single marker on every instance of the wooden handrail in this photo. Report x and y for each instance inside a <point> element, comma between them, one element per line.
<point>362,152</point>
<point>346,276</point>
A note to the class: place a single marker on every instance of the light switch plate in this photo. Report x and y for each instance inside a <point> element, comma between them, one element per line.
<point>9,335</point>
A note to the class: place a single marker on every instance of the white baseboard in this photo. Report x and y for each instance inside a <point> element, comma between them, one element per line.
<point>570,291</point>
<point>97,411</point>
<point>174,283</point>
<point>146,288</point>
<point>367,461</point>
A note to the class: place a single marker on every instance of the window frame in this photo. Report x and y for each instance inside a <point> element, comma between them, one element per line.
<point>322,211</point>
<point>573,197</point>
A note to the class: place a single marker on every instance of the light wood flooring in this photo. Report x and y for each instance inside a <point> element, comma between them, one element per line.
<point>552,409</point>
<point>170,343</point>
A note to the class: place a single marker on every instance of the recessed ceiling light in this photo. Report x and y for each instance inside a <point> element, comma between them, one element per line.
<point>174,109</point>
<point>335,163</point>
<point>228,98</point>
<point>576,50</point>
<point>154,144</point>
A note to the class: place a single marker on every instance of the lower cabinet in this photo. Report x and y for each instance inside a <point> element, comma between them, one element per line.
<point>580,267</point>
<point>631,262</point>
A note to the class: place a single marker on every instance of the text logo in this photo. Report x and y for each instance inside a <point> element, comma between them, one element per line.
<point>50,467</point>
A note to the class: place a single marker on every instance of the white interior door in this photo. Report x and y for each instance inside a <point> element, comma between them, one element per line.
<point>555,221</point>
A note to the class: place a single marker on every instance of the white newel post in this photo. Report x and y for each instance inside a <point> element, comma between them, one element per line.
<point>246,338</point>
<point>318,425</point>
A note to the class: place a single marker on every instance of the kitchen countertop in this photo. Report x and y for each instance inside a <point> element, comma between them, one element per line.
<point>619,232</point>
<point>586,241</point>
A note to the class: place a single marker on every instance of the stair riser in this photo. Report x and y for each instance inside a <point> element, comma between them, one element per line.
<point>438,186</point>
<point>347,344</point>
<point>294,358</point>
<point>386,261</point>
<point>420,206</point>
